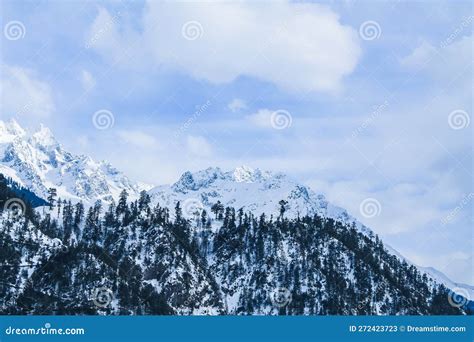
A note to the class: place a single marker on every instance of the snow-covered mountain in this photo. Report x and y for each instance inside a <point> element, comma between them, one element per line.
<point>260,192</point>
<point>39,162</point>
<point>134,260</point>
<point>250,189</point>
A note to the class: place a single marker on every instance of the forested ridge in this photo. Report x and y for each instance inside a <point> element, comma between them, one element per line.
<point>132,258</point>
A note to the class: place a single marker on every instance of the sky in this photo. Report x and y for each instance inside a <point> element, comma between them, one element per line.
<point>368,102</point>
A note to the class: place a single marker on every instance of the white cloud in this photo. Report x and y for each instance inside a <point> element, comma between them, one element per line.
<point>87,80</point>
<point>262,118</point>
<point>138,138</point>
<point>445,62</point>
<point>237,105</point>
<point>103,33</point>
<point>198,146</point>
<point>420,56</point>
<point>23,94</point>
<point>299,47</point>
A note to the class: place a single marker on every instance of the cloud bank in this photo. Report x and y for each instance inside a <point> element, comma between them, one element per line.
<point>299,47</point>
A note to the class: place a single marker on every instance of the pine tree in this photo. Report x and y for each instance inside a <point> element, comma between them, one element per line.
<point>283,205</point>
<point>52,193</point>
<point>122,203</point>
<point>178,212</point>
<point>78,214</point>
<point>203,218</point>
<point>59,206</point>
<point>218,209</point>
<point>143,201</point>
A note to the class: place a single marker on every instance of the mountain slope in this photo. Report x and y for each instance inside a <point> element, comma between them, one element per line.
<point>39,162</point>
<point>202,251</point>
<point>22,193</point>
<point>260,192</point>
<point>132,259</point>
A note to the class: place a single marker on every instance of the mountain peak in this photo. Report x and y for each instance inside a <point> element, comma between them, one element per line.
<point>185,182</point>
<point>44,137</point>
<point>11,128</point>
<point>204,178</point>
<point>194,181</point>
<point>245,174</point>
<point>39,161</point>
<point>252,189</point>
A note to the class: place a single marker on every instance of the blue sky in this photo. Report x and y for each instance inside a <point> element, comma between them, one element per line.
<point>358,99</point>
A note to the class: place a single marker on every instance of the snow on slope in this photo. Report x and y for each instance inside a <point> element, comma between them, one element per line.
<point>439,277</point>
<point>36,244</point>
<point>253,190</point>
<point>39,162</point>
<point>259,192</point>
